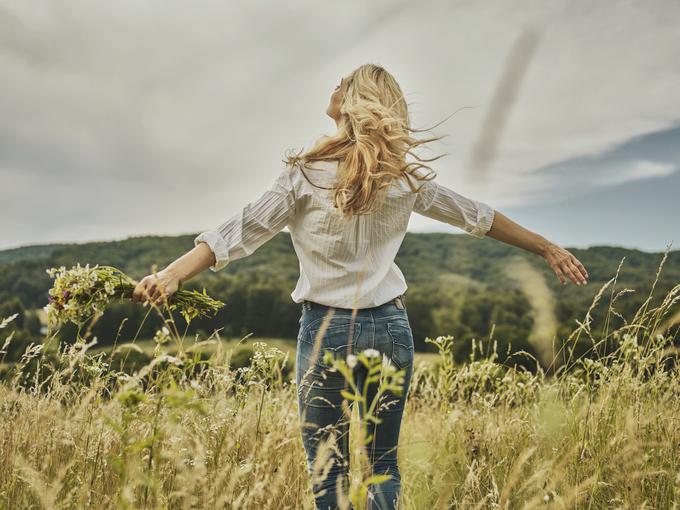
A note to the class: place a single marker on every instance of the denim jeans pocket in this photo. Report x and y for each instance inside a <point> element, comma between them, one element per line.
<point>402,342</point>
<point>340,338</point>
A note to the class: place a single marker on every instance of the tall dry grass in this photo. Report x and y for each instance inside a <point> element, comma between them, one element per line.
<point>188,431</point>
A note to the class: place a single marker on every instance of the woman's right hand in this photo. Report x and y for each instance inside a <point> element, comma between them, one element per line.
<point>156,288</point>
<point>564,263</point>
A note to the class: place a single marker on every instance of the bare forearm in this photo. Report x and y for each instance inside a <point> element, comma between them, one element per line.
<point>193,262</point>
<point>506,230</point>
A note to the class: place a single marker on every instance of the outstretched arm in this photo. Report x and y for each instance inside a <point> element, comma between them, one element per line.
<point>562,261</point>
<point>479,219</point>
<point>239,236</point>
<point>507,231</point>
<point>163,284</point>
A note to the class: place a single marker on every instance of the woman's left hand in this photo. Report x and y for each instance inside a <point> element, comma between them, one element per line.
<point>565,264</point>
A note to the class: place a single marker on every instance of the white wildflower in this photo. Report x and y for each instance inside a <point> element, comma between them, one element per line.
<point>171,359</point>
<point>351,360</point>
<point>162,336</point>
<point>109,287</point>
<point>371,353</point>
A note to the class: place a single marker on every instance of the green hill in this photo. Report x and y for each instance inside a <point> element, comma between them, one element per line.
<point>458,285</point>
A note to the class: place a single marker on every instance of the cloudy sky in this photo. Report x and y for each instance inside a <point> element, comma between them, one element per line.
<point>128,118</point>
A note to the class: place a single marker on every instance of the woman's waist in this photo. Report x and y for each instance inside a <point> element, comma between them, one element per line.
<point>398,303</point>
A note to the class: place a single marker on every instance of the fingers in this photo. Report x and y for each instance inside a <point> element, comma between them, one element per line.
<point>566,268</point>
<point>141,292</point>
<point>138,292</point>
<point>159,294</point>
<point>574,273</point>
<point>575,269</point>
<point>580,267</point>
<point>156,294</point>
<point>560,275</point>
<point>149,290</point>
<point>566,265</point>
<point>578,274</point>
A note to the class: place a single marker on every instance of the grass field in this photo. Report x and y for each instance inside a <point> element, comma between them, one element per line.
<point>234,345</point>
<point>189,431</point>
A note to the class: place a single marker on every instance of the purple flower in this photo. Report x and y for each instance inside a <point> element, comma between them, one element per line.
<point>50,298</point>
<point>66,294</point>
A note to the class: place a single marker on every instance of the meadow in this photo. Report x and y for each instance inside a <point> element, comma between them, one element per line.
<point>193,428</point>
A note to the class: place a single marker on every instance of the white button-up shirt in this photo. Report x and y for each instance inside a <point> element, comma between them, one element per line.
<point>346,263</point>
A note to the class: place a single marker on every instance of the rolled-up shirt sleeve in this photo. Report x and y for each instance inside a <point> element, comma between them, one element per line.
<point>443,204</point>
<point>255,224</point>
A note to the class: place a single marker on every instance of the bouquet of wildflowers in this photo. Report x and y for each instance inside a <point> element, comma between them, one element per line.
<point>81,292</point>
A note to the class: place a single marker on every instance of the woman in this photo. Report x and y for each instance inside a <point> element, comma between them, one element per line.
<point>347,203</point>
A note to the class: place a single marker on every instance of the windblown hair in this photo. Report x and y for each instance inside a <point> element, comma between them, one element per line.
<point>371,143</point>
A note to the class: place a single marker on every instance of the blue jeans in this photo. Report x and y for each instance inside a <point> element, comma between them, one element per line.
<point>323,411</point>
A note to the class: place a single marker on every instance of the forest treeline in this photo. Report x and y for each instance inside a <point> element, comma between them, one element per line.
<point>458,285</point>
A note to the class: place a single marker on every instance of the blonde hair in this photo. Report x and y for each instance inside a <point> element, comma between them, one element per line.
<point>371,143</point>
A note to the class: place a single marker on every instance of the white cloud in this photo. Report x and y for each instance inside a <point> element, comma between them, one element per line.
<point>633,171</point>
